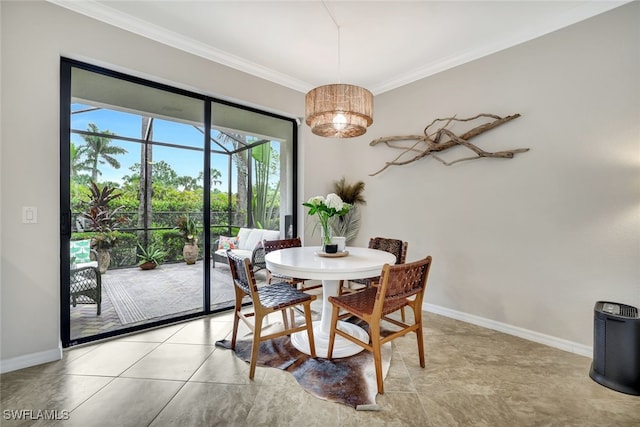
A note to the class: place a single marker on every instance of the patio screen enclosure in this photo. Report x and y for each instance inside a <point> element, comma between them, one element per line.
<point>145,160</point>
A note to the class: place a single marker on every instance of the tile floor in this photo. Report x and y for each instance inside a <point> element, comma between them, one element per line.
<point>175,376</point>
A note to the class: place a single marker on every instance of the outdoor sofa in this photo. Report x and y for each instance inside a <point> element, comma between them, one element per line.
<point>247,244</point>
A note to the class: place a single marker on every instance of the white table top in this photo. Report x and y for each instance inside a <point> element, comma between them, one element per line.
<point>305,264</point>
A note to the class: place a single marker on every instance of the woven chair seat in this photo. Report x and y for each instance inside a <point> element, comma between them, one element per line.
<point>278,295</point>
<point>361,303</point>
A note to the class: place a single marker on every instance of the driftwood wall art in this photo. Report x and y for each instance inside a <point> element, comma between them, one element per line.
<point>433,142</point>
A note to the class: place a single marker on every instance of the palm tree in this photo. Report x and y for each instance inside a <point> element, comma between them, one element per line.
<point>77,161</point>
<point>100,151</point>
<point>214,176</point>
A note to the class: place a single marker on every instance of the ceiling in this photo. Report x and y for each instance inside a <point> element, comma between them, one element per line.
<point>382,44</point>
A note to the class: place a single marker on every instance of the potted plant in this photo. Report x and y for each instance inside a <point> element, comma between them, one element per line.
<point>326,209</point>
<point>104,220</point>
<point>150,257</point>
<point>188,229</point>
<point>348,225</point>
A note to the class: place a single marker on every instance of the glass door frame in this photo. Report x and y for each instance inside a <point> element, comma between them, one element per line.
<point>66,65</point>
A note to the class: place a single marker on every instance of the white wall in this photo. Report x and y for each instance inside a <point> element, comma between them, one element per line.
<point>34,36</point>
<point>534,241</point>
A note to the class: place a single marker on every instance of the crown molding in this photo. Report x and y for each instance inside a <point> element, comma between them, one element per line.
<point>580,12</point>
<point>105,14</point>
<point>99,11</point>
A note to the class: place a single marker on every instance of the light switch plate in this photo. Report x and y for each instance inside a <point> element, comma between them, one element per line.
<point>29,215</point>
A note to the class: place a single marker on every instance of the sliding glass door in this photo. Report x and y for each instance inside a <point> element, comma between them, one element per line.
<point>155,176</point>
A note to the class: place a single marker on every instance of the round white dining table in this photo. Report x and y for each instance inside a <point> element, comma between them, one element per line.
<point>306,263</point>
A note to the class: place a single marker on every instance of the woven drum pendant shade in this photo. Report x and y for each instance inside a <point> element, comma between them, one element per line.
<point>339,110</point>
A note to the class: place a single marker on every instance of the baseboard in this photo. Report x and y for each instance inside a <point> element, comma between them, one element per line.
<point>562,344</point>
<point>32,359</point>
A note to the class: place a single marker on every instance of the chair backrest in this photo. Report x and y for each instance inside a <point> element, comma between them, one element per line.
<point>242,275</point>
<point>394,246</point>
<point>274,245</point>
<point>401,281</point>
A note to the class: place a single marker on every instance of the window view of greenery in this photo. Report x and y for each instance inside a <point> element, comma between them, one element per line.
<point>156,176</point>
<point>137,185</point>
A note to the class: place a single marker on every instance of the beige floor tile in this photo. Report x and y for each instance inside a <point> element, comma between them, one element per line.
<point>62,393</point>
<point>156,335</point>
<point>125,402</point>
<point>110,358</point>
<point>170,361</point>
<point>207,404</point>
<point>278,406</point>
<point>222,366</point>
<point>458,408</point>
<point>201,331</point>
<point>473,377</point>
<point>395,409</point>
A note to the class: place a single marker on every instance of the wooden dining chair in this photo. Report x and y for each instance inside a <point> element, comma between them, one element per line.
<point>274,245</point>
<point>268,299</point>
<point>400,286</point>
<point>394,246</point>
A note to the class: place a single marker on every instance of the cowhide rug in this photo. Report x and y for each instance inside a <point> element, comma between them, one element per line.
<point>350,380</point>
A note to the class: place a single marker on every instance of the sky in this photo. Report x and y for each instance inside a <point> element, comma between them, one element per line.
<point>183,162</point>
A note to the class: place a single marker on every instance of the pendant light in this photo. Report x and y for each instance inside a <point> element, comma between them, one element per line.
<point>339,110</point>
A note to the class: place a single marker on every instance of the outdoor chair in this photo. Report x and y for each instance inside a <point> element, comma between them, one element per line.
<point>274,245</point>
<point>400,286</point>
<point>268,299</point>
<point>85,280</point>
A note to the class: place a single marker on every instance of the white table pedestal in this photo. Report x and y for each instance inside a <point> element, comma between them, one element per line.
<point>321,329</point>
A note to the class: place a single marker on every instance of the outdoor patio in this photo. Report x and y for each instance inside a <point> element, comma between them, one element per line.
<point>131,296</point>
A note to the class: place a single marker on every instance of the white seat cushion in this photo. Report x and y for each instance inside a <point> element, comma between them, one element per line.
<point>270,235</point>
<point>248,240</point>
<point>255,237</point>
<point>84,264</point>
<point>243,235</point>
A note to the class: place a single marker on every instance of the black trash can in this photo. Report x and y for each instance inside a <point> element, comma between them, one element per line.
<point>616,347</point>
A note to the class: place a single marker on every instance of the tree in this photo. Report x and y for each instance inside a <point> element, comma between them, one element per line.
<point>242,198</point>
<point>100,151</point>
<point>77,159</point>
<point>215,176</point>
<point>264,197</point>
<point>188,183</point>
<point>145,190</point>
<point>240,158</point>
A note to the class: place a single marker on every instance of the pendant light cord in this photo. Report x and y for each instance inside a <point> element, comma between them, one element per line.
<point>338,28</point>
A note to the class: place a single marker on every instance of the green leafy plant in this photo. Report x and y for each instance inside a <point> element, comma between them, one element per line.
<point>188,228</point>
<point>152,253</point>
<point>326,209</point>
<point>102,218</point>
